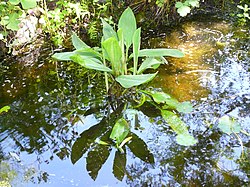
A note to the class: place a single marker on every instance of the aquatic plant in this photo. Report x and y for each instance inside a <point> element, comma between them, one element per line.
<point>113,56</point>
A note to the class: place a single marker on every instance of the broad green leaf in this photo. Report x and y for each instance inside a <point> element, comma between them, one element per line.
<point>149,63</point>
<point>140,149</point>
<point>136,48</point>
<point>183,10</point>
<point>88,52</point>
<point>229,125</point>
<point>119,165</point>
<point>178,4</point>
<point>77,42</point>
<point>127,23</point>
<point>5,20</point>
<point>28,4</point>
<point>95,159</point>
<point>120,131</point>
<point>184,107</point>
<point>64,56</point>
<point>179,128</point>
<point>90,63</point>
<point>160,97</point>
<point>174,122</point>
<point>186,139</point>
<point>14,2</point>
<point>13,22</point>
<point>128,81</point>
<point>161,52</point>
<point>114,53</point>
<point>107,31</point>
<point>193,3</point>
<point>4,109</point>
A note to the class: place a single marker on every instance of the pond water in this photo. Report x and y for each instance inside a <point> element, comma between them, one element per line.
<point>58,110</point>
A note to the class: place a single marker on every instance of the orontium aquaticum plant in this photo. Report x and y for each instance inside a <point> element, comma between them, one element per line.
<point>113,56</point>
<point>121,58</point>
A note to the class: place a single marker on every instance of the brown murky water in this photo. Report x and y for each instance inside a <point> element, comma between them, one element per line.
<point>187,78</point>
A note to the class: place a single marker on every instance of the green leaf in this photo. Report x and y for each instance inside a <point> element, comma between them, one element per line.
<point>127,23</point>
<point>28,4</point>
<point>114,53</point>
<point>77,42</point>
<point>179,127</point>
<point>178,4</point>
<point>193,3</point>
<point>13,22</point>
<point>149,63</point>
<point>174,122</point>
<point>128,81</point>
<point>161,52</point>
<point>65,56</point>
<point>107,31</point>
<point>4,109</point>
<point>14,2</point>
<point>184,107</point>
<point>136,48</point>
<point>88,52</point>
<point>119,165</point>
<point>183,10</point>
<point>229,125</point>
<point>120,131</point>
<point>186,139</point>
<point>160,97</point>
<point>90,63</point>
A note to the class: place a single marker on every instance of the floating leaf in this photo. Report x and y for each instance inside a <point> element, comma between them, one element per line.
<point>184,107</point>
<point>120,131</point>
<point>229,125</point>
<point>160,97</point>
<point>14,2</point>
<point>128,81</point>
<point>174,122</point>
<point>186,139</point>
<point>119,165</point>
<point>77,42</point>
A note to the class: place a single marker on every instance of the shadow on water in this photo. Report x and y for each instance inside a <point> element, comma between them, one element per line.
<point>48,136</point>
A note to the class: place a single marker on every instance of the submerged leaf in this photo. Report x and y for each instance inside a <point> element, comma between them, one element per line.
<point>229,125</point>
<point>128,81</point>
<point>120,131</point>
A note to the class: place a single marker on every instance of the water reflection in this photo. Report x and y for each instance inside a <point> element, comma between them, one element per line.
<point>57,116</point>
